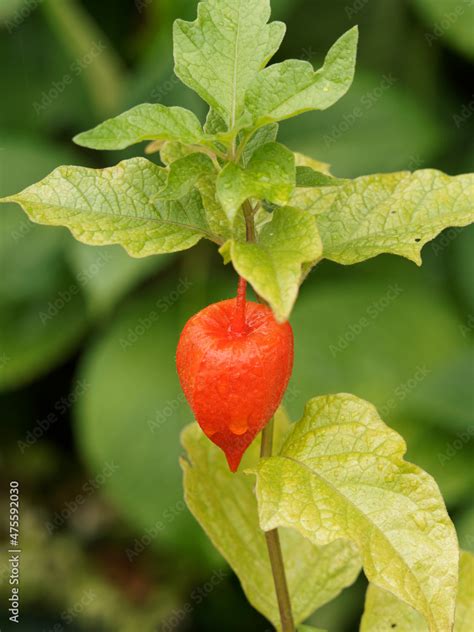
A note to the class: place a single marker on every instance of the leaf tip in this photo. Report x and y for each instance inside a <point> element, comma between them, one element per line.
<point>81,139</point>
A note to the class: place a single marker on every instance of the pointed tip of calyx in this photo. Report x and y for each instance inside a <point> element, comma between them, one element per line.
<point>233,460</point>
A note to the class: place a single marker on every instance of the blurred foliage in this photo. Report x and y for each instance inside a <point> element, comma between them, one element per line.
<point>88,335</point>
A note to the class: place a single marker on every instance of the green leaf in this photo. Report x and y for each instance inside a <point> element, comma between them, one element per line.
<point>171,151</point>
<point>394,213</point>
<point>269,175</point>
<point>42,309</point>
<point>184,174</point>
<point>293,87</point>
<point>465,527</point>
<point>187,170</point>
<point>224,504</point>
<point>137,428</point>
<point>309,628</point>
<point>307,177</point>
<point>262,136</point>
<point>219,54</point>
<point>214,124</point>
<point>149,121</point>
<point>383,611</point>
<point>115,206</point>
<point>451,20</point>
<point>107,273</point>
<point>273,265</point>
<point>10,12</point>
<point>341,474</point>
<point>386,309</point>
<point>216,216</point>
<point>306,161</point>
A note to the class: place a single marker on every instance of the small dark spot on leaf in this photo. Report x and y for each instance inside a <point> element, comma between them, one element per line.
<point>394,625</point>
<point>418,239</point>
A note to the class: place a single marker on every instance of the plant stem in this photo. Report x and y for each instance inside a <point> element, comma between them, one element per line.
<point>238,321</point>
<point>274,550</point>
<point>249,221</point>
<point>272,537</point>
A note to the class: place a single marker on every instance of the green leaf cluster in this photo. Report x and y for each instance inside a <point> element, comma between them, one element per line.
<point>230,182</point>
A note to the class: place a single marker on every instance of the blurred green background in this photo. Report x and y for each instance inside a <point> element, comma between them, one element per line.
<point>91,407</point>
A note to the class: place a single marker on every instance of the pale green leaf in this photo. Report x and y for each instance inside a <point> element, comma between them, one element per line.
<point>384,612</point>
<point>293,87</point>
<point>170,151</point>
<point>270,175</point>
<point>219,54</point>
<point>184,174</point>
<point>309,628</point>
<point>394,213</point>
<point>273,265</point>
<point>341,474</point>
<point>149,121</point>
<point>225,506</point>
<point>115,206</point>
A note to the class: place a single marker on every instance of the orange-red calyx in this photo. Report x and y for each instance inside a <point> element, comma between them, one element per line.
<point>234,362</point>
